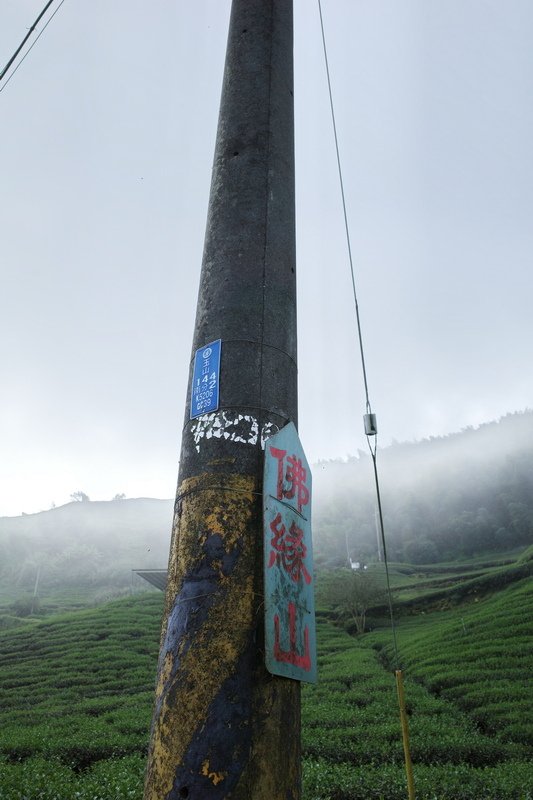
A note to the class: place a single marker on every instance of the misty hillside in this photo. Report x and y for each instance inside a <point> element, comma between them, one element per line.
<point>443,499</point>
<point>89,543</point>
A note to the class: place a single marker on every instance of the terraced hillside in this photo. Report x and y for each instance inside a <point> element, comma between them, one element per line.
<point>479,658</point>
<point>76,694</point>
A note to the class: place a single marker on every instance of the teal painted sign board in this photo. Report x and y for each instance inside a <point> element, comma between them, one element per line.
<point>290,638</point>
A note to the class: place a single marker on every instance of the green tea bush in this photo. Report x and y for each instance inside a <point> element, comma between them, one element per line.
<point>76,694</point>
<point>480,659</point>
<point>325,781</point>
<point>42,779</point>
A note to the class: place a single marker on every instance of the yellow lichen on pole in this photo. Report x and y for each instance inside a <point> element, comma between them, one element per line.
<point>223,726</point>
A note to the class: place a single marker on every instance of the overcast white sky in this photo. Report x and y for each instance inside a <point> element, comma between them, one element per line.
<point>107,133</point>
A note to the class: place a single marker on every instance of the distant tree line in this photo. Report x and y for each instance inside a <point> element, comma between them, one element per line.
<point>443,498</point>
<point>84,544</point>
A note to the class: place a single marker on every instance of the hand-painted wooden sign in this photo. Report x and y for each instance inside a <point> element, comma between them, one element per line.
<point>205,379</point>
<point>290,640</point>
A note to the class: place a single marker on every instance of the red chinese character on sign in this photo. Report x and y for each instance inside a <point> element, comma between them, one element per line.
<point>288,549</point>
<point>295,476</point>
<point>291,656</point>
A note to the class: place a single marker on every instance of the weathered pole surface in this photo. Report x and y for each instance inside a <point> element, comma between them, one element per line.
<point>223,727</point>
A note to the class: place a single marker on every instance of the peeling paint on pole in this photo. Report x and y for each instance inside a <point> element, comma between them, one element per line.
<point>223,726</point>
<point>290,639</point>
<point>212,581</point>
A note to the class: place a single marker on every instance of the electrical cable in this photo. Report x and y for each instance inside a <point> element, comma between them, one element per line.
<point>19,48</point>
<point>373,453</point>
<point>346,226</point>
<point>28,51</point>
<point>373,450</point>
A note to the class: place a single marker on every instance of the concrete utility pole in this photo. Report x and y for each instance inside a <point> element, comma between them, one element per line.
<point>223,726</point>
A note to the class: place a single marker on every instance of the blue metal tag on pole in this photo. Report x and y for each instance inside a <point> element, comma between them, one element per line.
<point>290,638</point>
<point>206,379</point>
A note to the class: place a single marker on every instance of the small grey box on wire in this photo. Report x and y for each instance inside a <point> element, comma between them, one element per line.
<point>371,425</point>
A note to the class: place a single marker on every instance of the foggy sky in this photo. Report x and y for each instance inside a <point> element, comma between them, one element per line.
<point>107,135</point>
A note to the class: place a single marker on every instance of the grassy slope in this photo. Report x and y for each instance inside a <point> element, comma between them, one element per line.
<point>478,656</point>
<point>353,745</point>
<point>80,686</point>
<point>76,694</point>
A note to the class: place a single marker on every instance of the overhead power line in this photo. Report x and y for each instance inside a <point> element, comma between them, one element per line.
<point>371,436</point>
<point>369,417</point>
<point>19,48</point>
<point>17,51</point>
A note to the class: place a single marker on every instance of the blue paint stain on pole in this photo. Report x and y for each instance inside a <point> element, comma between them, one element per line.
<point>206,379</point>
<point>290,637</point>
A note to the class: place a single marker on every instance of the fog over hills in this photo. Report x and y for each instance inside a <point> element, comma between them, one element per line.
<point>443,498</point>
<point>114,523</point>
<point>94,543</point>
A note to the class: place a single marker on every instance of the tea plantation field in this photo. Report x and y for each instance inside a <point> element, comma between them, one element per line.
<point>76,693</point>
